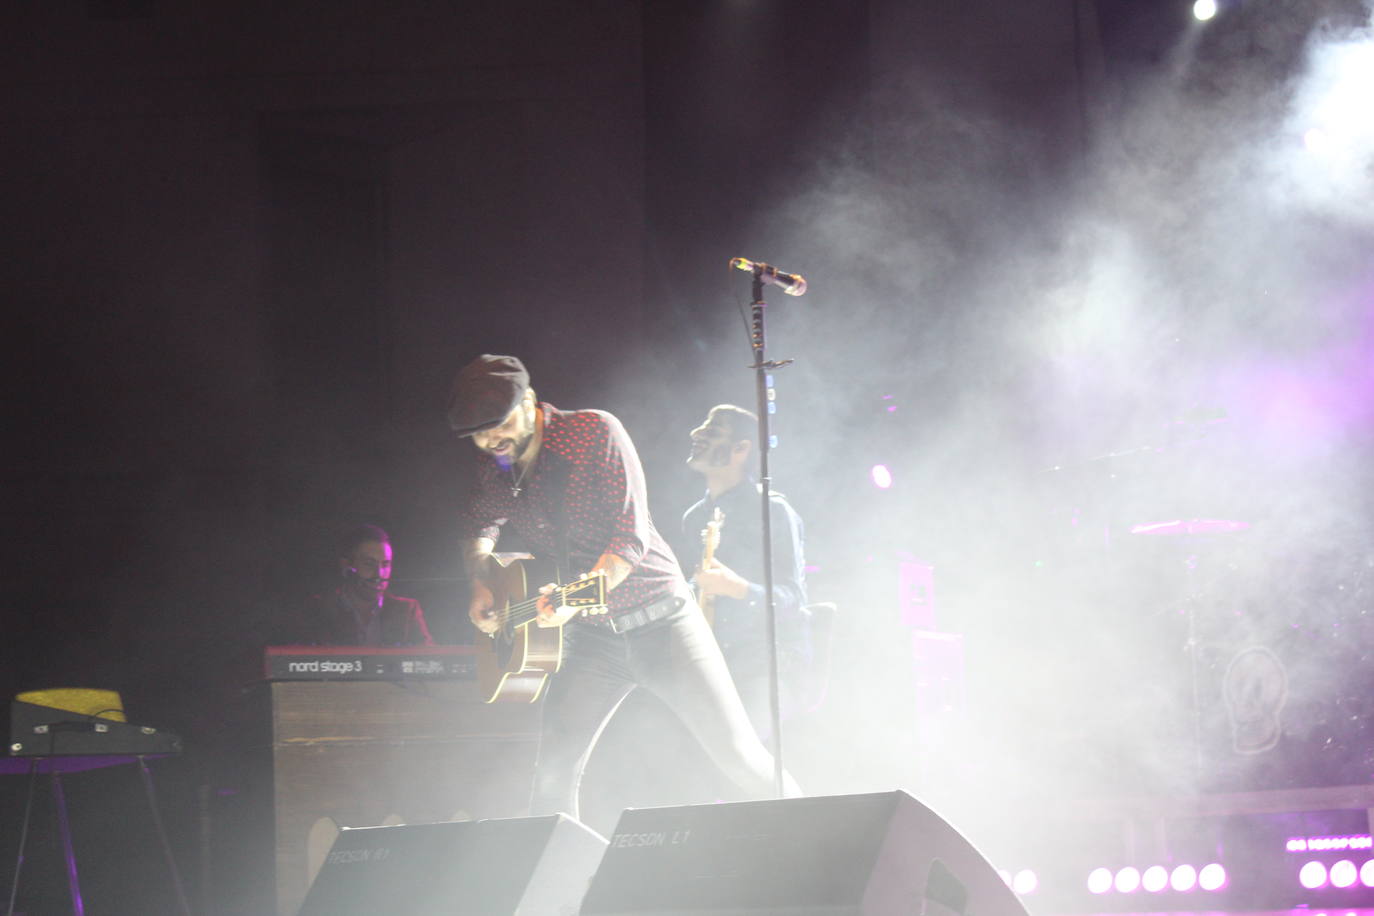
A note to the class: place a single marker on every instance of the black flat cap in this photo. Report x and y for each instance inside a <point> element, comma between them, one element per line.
<point>484,393</point>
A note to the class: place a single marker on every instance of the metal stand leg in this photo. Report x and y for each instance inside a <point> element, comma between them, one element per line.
<point>205,826</point>
<point>64,828</point>
<point>162,835</point>
<point>23,836</point>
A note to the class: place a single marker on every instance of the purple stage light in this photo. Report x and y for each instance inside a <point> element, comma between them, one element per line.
<point>1128,880</point>
<point>1212,877</point>
<point>1204,10</point>
<point>882,477</point>
<point>1025,882</point>
<point>1183,878</point>
<point>1155,879</point>
<point>1367,873</point>
<point>1344,873</point>
<point>1330,843</point>
<point>1099,880</point>
<point>1312,875</point>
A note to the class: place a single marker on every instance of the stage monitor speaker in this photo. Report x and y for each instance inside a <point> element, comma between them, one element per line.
<point>878,855</point>
<point>534,866</point>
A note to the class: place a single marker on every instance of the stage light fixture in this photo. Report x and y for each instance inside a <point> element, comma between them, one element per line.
<point>1367,873</point>
<point>1212,877</point>
<point>1025,882</point>
<point>1344,873</point>
<point>1204,10</point>
<point>1099,880</point>
<point>1317,141</point>
<point>1329,843</point>
<point>1183,878</point>
<point>882,477</point>
<point>1128,880</point>
<point>1155,879</point>
<point>1312,875</point>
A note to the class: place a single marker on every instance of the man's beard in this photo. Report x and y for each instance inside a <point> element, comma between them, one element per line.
<point>518,448</point>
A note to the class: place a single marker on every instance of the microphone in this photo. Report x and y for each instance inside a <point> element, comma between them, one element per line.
<point>792,284</point>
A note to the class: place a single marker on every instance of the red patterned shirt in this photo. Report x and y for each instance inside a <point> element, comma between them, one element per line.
<point>584,496</point>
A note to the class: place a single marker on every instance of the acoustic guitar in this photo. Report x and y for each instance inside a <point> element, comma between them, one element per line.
<point>514,664</point>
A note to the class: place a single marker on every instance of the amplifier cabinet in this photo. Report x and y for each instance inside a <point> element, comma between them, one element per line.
<point>531,866</point>
<point>882,854</point>
<point>368,753</point>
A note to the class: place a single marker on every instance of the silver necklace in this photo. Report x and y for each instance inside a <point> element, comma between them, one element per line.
<point>515,488</point>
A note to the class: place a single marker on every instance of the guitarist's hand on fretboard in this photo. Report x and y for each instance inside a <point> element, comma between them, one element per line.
<point>551,615</point>
<point>515,663</point>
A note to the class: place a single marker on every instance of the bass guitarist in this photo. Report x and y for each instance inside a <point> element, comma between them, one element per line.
<point>571,483</point>
<point>730,579</point>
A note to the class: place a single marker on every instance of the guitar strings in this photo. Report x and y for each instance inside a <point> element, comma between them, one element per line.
<point>512,611</point>
<point>515,610</point>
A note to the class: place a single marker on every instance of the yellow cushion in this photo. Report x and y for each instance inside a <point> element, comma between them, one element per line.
<point>100,704</point>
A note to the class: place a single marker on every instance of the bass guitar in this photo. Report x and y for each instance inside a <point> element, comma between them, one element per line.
<point>710,540</point>
<point>515,662</point>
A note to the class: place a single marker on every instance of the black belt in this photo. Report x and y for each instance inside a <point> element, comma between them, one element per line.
<point>631,620</point>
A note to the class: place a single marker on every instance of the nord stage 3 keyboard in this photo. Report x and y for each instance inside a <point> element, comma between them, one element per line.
<point>367,663</point>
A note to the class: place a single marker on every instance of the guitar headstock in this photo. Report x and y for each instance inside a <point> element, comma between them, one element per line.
<point>710,535</point>
<point>585,593</point>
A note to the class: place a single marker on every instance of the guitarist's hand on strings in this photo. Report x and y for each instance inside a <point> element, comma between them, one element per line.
<point>482,608</point>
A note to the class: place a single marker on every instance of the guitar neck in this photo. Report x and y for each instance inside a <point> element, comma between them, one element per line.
<point>710,537</point>
<point>522,612</point>
<point>586,593</point>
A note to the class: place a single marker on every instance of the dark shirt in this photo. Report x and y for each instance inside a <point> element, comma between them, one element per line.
<point>335,620</point>
<point>584,495</point>
<point>740,625</point>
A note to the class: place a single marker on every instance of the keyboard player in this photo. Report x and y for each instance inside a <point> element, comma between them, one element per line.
<point>361,611</point>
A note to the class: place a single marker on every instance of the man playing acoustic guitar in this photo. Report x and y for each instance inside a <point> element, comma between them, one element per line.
<point>571,483</point>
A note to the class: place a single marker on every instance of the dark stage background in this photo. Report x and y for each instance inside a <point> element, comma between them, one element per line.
<point>247,245</point>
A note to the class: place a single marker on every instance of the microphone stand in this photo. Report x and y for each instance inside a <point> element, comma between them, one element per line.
<point>761,367</point>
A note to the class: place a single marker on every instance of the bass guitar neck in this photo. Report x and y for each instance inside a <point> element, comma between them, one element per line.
<point>710,540</point>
